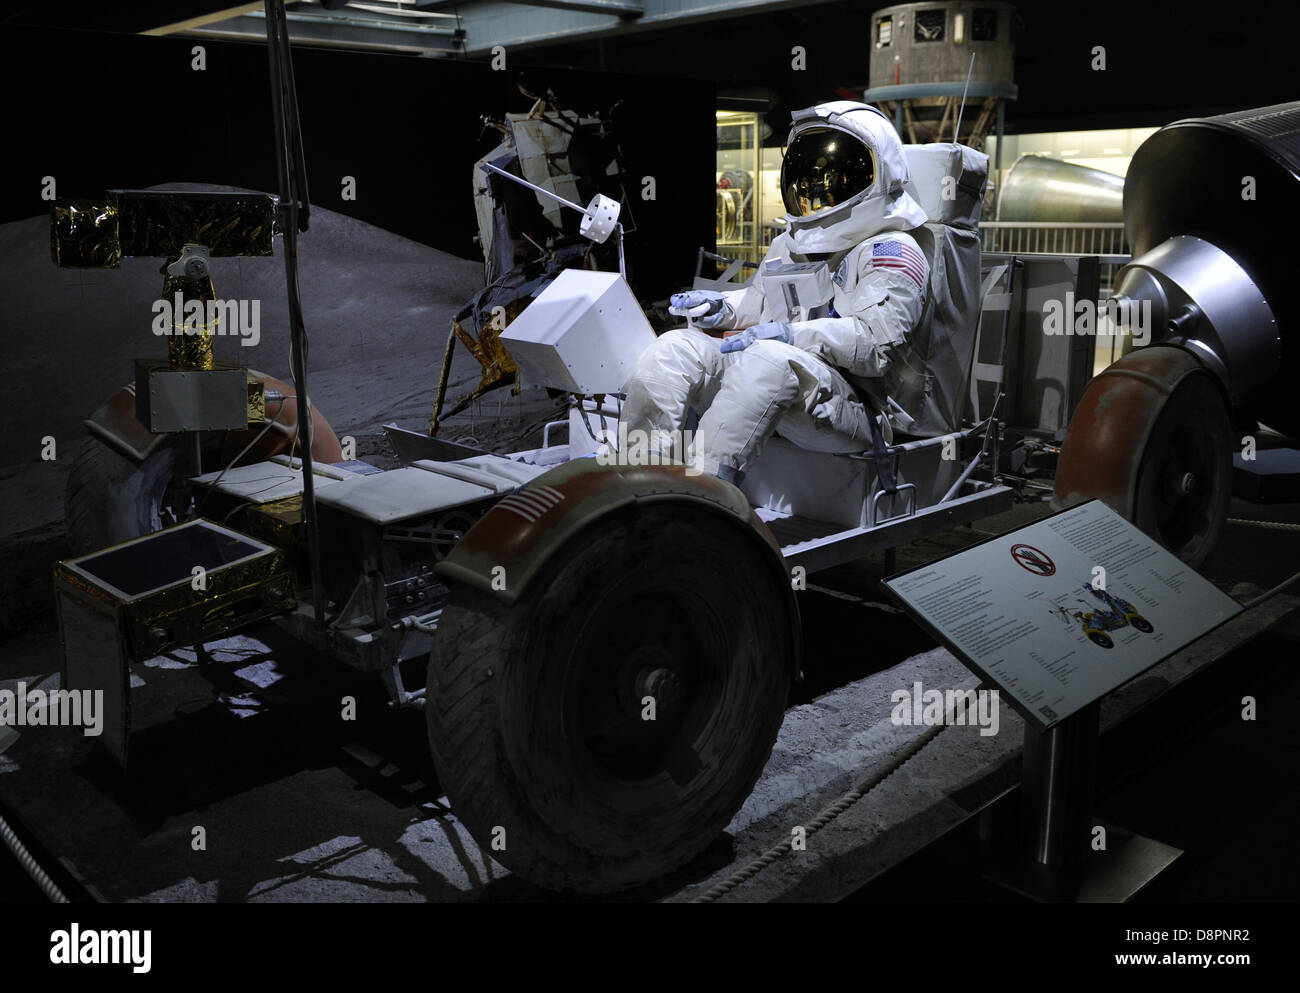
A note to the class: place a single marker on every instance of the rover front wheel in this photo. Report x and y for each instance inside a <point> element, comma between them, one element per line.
<point>603,729</point>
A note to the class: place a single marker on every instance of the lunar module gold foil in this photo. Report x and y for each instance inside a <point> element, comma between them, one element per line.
<point>84,235</point>
<point>99,233</point>
<point>189,346</point>
<point>160,223</point>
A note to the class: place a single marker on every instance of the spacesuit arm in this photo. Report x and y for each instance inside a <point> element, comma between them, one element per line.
<point>745,306</point>
<point>876,317</point>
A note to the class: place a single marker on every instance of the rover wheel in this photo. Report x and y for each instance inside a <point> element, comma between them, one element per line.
<point>1141,623</point>
<point>1101,639</point>
<point>539,712</point>
<point>1185,479</point>
<point>1151,437</point>
<point>110,498</point>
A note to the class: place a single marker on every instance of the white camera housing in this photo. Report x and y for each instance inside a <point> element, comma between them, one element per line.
<point>581,334</point>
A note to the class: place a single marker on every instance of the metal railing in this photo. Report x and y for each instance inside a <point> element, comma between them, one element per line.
<point>1105,239</point>
<point>1054,237</point>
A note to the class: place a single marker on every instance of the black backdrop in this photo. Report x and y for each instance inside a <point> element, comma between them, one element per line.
<point>101,110</point>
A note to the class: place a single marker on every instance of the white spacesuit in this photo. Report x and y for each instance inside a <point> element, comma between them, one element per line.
<point>830,309</point>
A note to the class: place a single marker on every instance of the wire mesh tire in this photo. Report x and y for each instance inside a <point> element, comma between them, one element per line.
<point>1151,437</point>
<point>603,730</point>
<point>110,498</point>
<point>1184,481</point>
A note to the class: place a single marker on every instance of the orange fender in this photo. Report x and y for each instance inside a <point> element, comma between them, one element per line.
<point>116,425</point>
<point>1107,437</point>
<point>325,446</point>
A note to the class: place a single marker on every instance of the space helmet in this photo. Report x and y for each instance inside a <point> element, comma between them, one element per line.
<point>842,178</point>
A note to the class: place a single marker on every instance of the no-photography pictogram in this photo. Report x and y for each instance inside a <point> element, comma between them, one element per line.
<point>1031,558</point>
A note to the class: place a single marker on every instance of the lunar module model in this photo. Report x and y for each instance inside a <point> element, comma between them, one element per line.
<point>527,239</point>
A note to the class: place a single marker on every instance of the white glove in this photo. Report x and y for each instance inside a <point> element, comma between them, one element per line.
<point>773,331</point>
<point>706,308</point>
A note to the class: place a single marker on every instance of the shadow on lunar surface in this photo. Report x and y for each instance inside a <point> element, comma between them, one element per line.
<point>243,737</point>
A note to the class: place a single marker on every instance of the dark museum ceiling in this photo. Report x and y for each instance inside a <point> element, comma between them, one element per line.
<point>1162,65</point>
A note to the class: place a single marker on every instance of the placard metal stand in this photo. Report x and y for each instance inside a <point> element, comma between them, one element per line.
<point>1055,856</point>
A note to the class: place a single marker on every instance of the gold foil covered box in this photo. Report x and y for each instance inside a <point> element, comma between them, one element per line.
<point>139,599</point>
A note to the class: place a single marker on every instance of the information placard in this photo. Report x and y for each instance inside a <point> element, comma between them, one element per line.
<point>1063,611</point>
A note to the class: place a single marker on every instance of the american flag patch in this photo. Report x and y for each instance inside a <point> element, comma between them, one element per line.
<point>905,258</point>
<point>530,504</point>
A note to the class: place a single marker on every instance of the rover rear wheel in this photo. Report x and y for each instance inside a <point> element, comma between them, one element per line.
<point>110,498</point>
<point>1152,438</point>
<point>1185,479</point>
<point>602,730</point>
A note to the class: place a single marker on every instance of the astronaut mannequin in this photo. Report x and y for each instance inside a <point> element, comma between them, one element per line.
<point>826,318</point>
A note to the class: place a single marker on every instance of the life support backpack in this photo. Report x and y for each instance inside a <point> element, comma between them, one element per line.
<point>933,378</point>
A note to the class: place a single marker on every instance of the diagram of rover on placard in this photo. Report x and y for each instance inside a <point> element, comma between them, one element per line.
<point>1113,613</point>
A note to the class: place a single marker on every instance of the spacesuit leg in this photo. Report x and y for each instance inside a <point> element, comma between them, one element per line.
<point>831,418</point>
<point>771,386</point>
<point>682,369</point>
